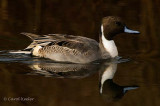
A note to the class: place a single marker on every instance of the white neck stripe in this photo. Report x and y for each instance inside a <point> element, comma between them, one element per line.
<point>102,30</point>
<point>109,45</point>
<point>108,74</point>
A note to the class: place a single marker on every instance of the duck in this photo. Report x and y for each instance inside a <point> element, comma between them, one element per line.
<point>79,49</point>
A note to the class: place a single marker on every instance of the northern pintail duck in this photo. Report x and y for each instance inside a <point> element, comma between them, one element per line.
<point>78,49</point>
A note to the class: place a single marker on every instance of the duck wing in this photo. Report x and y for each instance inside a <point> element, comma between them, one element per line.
<point>75,43</point>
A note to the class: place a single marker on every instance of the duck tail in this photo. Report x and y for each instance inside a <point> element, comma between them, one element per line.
<point>20,52</point>
<point>27,50</point>
<point>30,35</point>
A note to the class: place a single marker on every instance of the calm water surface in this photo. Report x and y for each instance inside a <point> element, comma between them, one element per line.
<point>115,83</point>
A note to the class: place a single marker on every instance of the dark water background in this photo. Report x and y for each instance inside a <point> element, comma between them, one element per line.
<point>81,17</point>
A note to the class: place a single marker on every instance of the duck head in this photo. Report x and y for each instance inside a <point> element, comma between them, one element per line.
<point>112,26</point>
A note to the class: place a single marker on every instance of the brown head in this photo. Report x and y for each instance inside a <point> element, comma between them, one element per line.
<point>114,25</point>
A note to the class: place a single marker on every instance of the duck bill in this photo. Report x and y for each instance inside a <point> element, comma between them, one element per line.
<point>127,30</point>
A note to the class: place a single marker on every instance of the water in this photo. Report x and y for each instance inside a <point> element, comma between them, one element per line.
<point>63,84</point>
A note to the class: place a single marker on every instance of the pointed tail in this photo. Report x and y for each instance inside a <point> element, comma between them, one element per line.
<point>30,35</point>
<point>20,52</point>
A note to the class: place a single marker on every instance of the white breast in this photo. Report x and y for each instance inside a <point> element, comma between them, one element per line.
<point>109,45</point>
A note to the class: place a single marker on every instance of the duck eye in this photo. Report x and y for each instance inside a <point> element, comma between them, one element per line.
<point>118,23</point>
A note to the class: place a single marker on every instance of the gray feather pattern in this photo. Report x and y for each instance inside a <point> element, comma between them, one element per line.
<point>61,47</point>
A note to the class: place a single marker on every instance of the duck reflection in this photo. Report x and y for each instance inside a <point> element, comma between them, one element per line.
<point>109,90</point>
<point>64,70</point>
